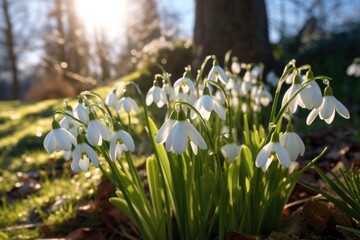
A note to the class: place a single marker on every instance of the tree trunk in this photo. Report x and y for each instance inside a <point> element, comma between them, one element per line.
<point>60,31</point>
<point>10,45</point>
<point>237,25</point>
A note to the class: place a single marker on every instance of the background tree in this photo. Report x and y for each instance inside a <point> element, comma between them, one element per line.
<point>10,47</point>
<point>139,31</point>
<point>241,26</point>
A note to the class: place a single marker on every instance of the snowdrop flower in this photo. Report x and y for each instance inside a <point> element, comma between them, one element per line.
<point>58,139</point>
<point>354,68</point>
<point>263,96</point>
<point>82,155</point>
<point>206,104</point>
<point>81,112</point>
<point>233,86</point>
<point>272,79</point>
<point>273,151</point>
<point>327,109</point>
<point>164,130</point>
<point>311,95</point>
<point>185,84</point>
<point>230,151</point>
<point>96,131</point>
<point>235,67</point>
<point>256,71</point>
<point>189,97</point>
<point>292,143</point>
<point>178,133</point>
<point>68,123</point>
<point>120,141</point>
<point>216,72</point>
<point>111,99</point>
<point>169,90</point>
<point>293,105</point>
<point>127,104</point>
<point>156,95</point>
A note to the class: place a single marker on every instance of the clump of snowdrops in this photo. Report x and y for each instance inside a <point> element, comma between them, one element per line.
<point>224,158</point>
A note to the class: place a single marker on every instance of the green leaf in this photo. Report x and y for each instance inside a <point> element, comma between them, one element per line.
<point>155,186</point>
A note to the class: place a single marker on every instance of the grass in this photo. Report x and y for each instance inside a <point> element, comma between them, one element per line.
<point>55,192</point>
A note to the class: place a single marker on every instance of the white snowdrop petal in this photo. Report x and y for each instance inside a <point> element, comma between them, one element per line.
<point>282,154</point>
<point>164,131</point>
<point>194,148</point>
<point>327,107</point>
<point>219,110</point>
<point>93,135</point>
<point>104,131</point>
<point>127,140</point>
<point>170,138</point>
<point>84,164</point>
<point>92,155</point>
<point>301,145</point>
<point>149,97</point>
<point>267,163</point>
<point>113,148</point>
<point>49,143</point>
<point>76,158</point>
<point>195,136</point>
<point>180,142</point>
<point>127,105</point>
<point>156,94</point>
<point>330,119</point>
<point>341,109</point>
<point>207,103</point>
<point>263,155</point>
<point>205,114</point>
<point>134,105</point>
<point>312,115</point>
<point>62,138</point>
<point>292,147</point>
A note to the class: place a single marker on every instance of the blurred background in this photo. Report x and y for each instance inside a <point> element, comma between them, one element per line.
<point>55,49</point>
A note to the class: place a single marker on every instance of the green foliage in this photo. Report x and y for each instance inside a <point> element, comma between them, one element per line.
<point>347,187</point>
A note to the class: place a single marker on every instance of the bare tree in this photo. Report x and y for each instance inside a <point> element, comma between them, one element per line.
<point>241,26</point>
<point>10,46</point>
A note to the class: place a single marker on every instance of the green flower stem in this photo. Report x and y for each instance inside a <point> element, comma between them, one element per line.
<point>201,71</point>
<point>164,178</point>
<point>227,100</point>
<point>282,79</point>
<point>100,98</point>
<point>142,225</point>
<point>68,115</point>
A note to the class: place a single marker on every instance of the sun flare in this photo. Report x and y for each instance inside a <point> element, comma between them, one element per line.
<point>106,14</point>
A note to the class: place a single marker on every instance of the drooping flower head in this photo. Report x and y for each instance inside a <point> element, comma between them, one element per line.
<point>185,84</point>
<point>156,95</point>
<point>217,72</point>
<point>327,109</point>
<point>127,104</point>
<point>293,105</point>
<point>111,99</point>
<point>58,139</point>
<point>292,143</point>
<point>311,96</point>
<point>177,133</point>
<point>97,131</point>
<point>230,151</point>
<point>81,112</point>
<point>120,141</point>
<point>82,155</point>
<point>206,104</point>
<point>273,151</point>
